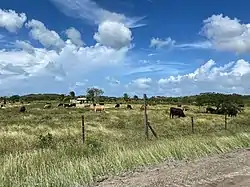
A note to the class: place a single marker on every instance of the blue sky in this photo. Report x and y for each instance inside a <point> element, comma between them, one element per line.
<point>169,48</point>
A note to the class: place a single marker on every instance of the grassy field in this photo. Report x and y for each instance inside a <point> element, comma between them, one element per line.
<point>115,142</point>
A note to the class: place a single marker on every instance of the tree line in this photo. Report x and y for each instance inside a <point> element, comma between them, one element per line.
<point>95,95</point>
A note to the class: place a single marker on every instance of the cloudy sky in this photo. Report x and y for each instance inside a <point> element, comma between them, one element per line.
<point>156,47</point>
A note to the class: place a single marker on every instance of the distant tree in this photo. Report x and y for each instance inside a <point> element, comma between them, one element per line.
<point>72,94</point>
<point>136,97</point>
<point>125,97</point>
<point>93,94</point>
<point>14,98</point>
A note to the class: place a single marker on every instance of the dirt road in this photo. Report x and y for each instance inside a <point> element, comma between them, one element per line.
<point>224,170</point>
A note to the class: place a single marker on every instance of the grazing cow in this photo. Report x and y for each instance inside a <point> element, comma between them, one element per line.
<point>99,108</point>
<point>117,105</point>
<point>1,106</point>
<point>66,105</point>
<point>232,112</point>
<point>60,104</point>
<point>72,105</point>
<point>129,107</point>
<point>22,109</point>
<point>47,106</point>
<point>176,112</point>
<point>211,110</point>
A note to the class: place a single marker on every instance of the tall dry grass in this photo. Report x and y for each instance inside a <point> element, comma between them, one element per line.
<point>115,142</point>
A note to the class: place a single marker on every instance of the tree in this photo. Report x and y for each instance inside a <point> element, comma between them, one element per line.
<point>125,97</point>
<point>136,97</point>
<point>72,94</point>
<point>15,98</point>
<point>94,93</point>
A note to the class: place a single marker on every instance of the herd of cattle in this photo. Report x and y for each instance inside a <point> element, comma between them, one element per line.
<point>179,111</point>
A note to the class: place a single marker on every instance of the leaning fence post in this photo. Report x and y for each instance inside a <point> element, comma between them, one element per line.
<point>83,130</point>
<point>225,121</point>
<point>192,123</point>
<point>145,116</point>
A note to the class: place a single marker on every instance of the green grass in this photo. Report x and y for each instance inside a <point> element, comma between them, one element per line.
<point>115,142</point>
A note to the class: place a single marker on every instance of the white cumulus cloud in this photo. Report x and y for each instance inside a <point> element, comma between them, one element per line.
<point>48,38</point>
<point>24,45</point>
<point>141,83</point>
<point>227,34</point>
<point>75,36</point>
<point>11,20</point>
<point>113,34</point>
<point>232,77</point>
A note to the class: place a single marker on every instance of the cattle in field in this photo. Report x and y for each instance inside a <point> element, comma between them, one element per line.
<point>241,105</point>
<point>129,107</point>
<point>1,106</point>
<point>47,106</point>
<point>99,108</point>
<point>179,105</point>
<point>176,112</point>
<point>60,104</point>
<point>117,105</point>
<point>66,105</point>
<point>72,105</point>
<point>211,110</point>
<point>22,109</point>
<point>232,112</point>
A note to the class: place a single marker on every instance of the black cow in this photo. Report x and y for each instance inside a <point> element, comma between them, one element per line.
<point>211,110</point>
<point>72,105</point>
<point>66,105</point>
<point>60,104</point>
<point>129,107</point>
<point>117,105</point>
<point>1,106</point>
<point>176,112</point>
<point>241,105</point>
<point>22,109</point>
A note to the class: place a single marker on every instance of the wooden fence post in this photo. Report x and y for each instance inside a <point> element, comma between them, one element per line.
<point>192,123</point>
<point>83,130</point>
<point>225,121</point>
<point>145,116</point>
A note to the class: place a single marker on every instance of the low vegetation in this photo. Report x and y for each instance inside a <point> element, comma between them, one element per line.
<point>43,147</point>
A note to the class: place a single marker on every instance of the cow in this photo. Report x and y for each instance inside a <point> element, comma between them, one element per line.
<point>241,105</point>
<point>1,106</point>
<point>99,108</point>
<point>66,105</point>
<point>47,106</point>
<point>232,112</point>
<point>117,105</point>
<point>179,105</point>
<point>60,104</point>
<point>22,109</point>
<point>72,105</point>
<point>211,110</point>
<point>129,107</point>
<point>176,112</point>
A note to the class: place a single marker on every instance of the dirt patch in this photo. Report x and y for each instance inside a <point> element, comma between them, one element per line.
<point>229,169</point>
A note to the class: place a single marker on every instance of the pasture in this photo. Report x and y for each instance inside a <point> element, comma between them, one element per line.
<point>115,141</point>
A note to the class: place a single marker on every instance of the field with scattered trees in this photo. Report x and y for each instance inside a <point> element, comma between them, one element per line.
<point>44,147</point>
